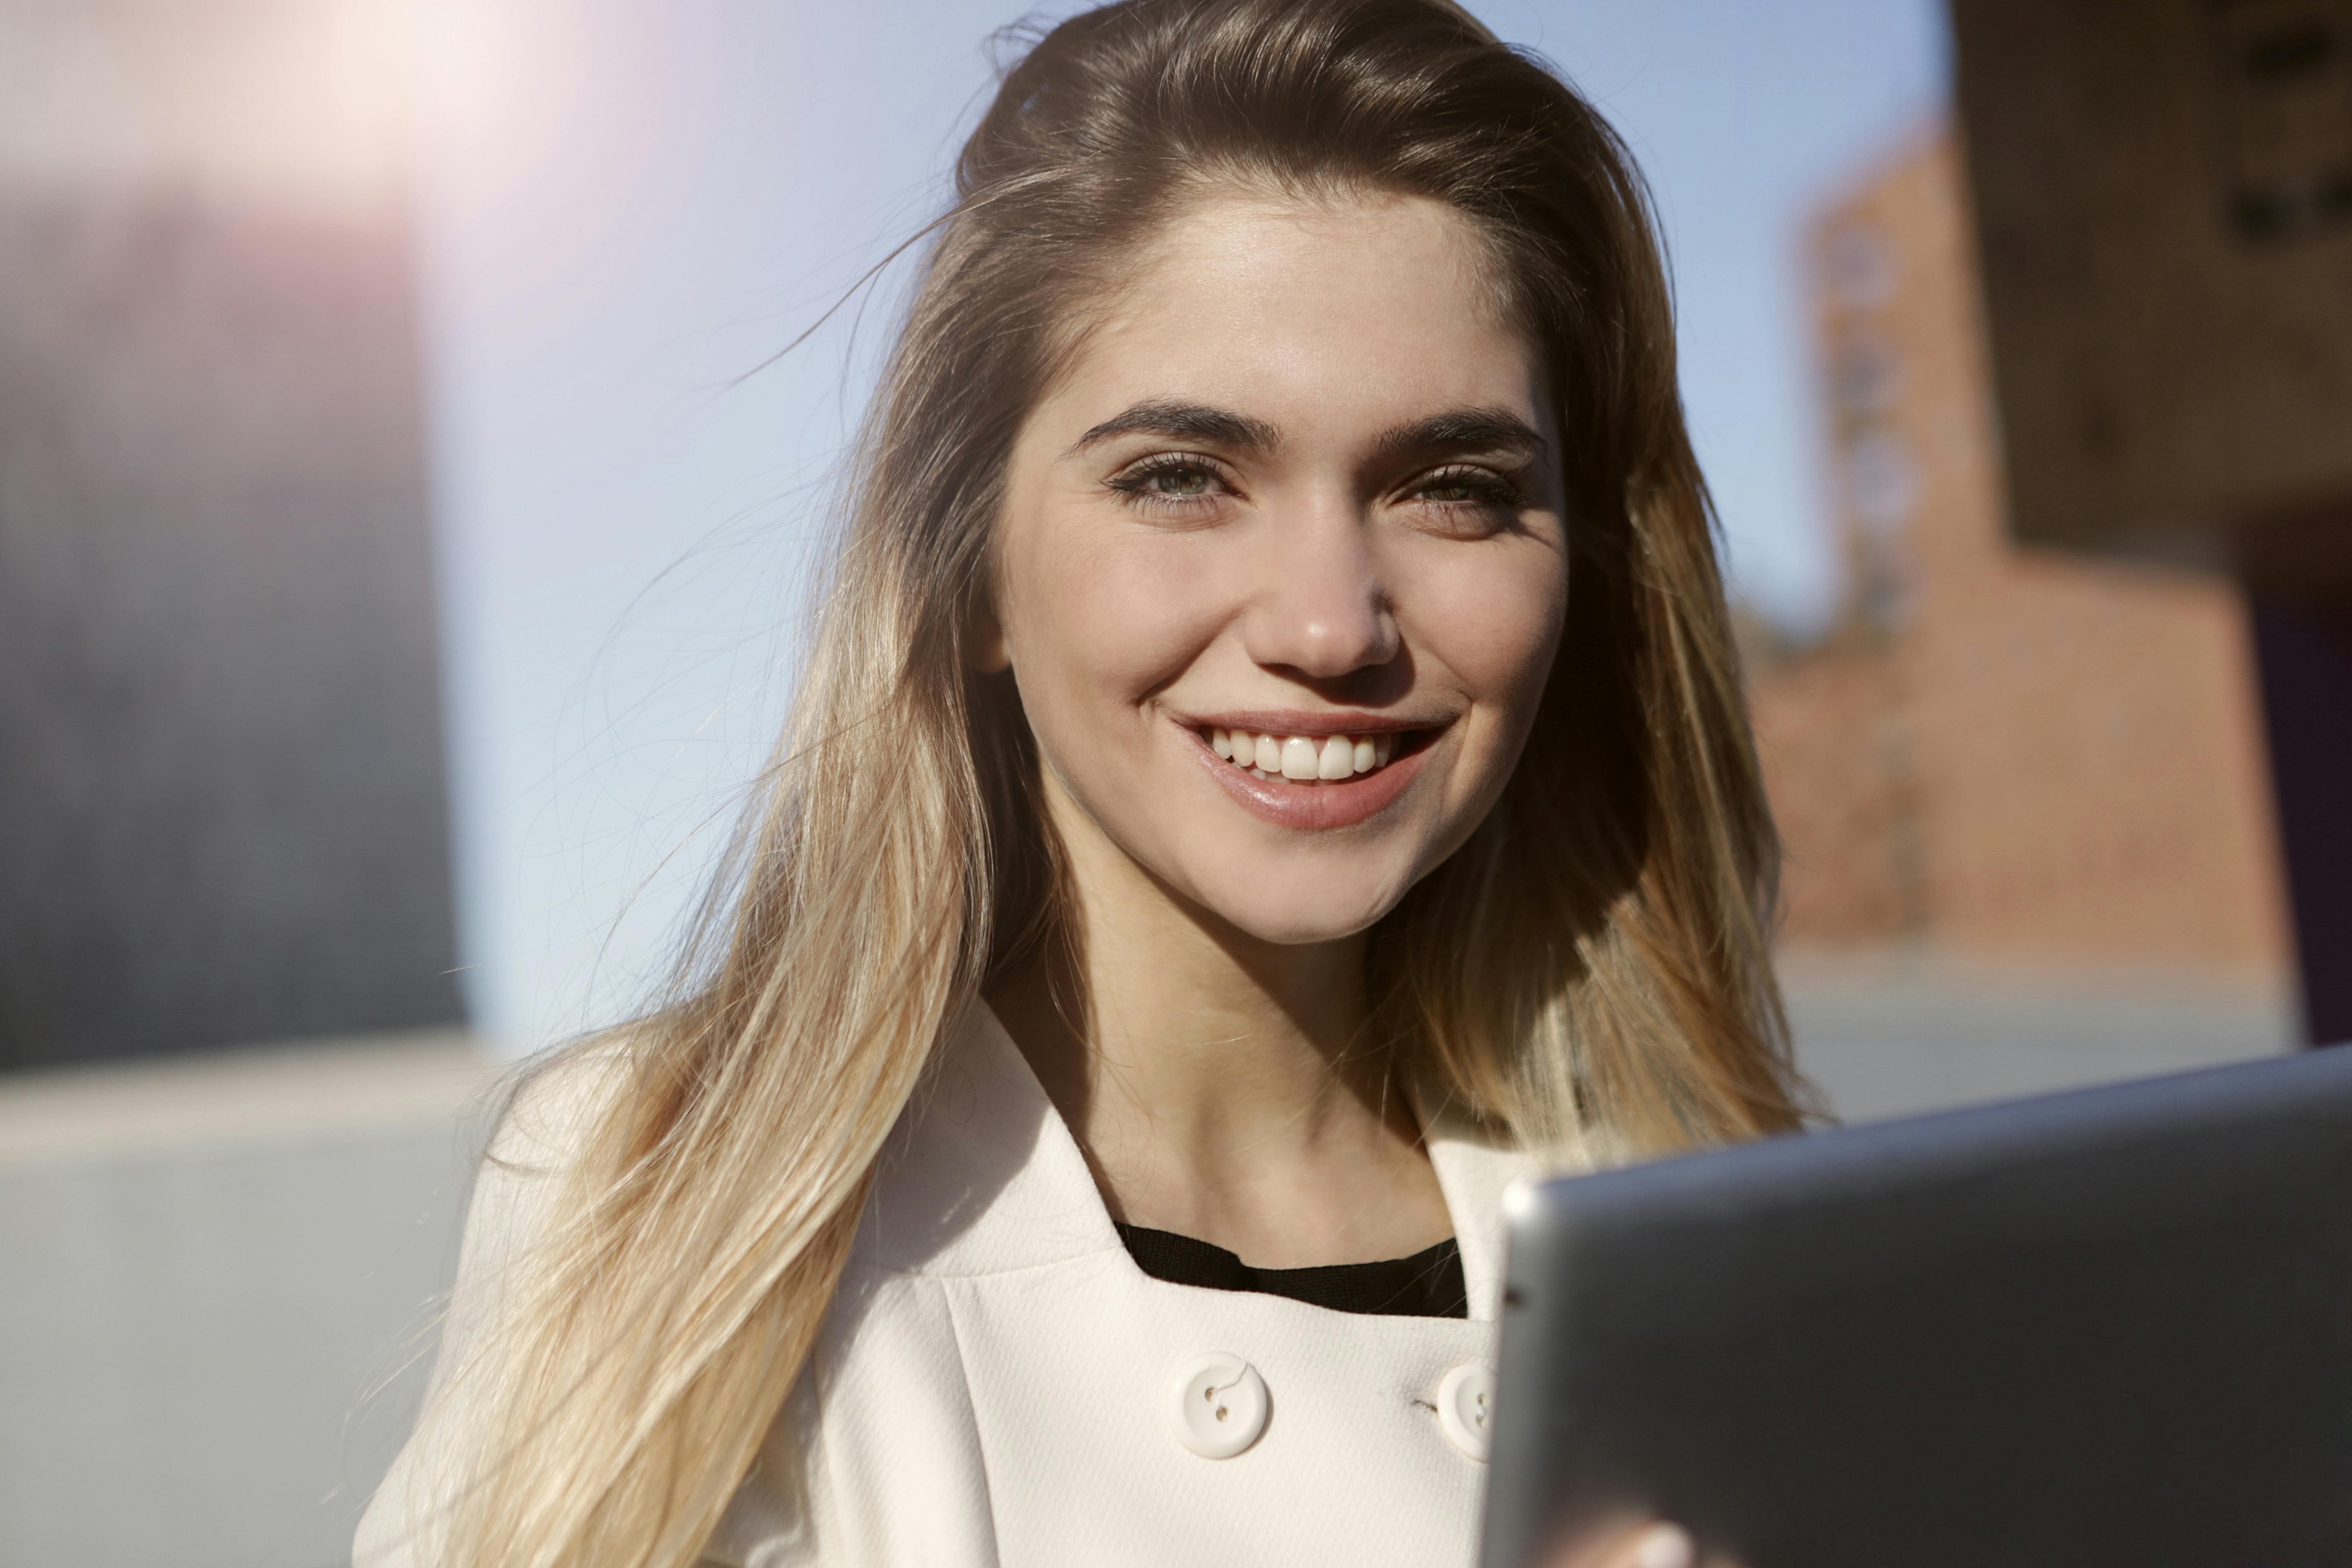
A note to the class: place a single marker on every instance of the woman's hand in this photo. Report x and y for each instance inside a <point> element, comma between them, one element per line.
<point>1636,1543</point>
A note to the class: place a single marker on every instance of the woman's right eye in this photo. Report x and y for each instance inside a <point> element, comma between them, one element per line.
<point>1180,481</point>
<point>1173,480</point>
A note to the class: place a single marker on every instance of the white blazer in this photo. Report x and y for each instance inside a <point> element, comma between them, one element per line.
<point>998,1384</point>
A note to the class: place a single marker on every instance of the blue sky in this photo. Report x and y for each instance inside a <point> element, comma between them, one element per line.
<point>628,205</point>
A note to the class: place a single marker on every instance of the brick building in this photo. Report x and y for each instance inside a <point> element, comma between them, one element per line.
<point>1998,753</point>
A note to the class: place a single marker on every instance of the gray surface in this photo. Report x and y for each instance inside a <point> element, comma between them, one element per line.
<point>188,1339</point>
<point>1893,1040</point>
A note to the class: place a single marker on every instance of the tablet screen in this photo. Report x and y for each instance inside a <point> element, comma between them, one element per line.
<point>2107,1327</point>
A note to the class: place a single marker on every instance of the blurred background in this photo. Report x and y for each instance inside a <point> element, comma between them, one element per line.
<point>405,505</point>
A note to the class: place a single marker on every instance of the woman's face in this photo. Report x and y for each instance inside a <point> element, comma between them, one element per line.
<point>1282,564</point>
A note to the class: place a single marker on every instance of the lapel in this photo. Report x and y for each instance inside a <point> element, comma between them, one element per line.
<point>982,1176</point>
<point>1473,1171</point>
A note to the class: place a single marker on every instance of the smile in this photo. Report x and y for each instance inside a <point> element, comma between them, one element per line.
<point>1302,758</point>
<point>1300,775</point>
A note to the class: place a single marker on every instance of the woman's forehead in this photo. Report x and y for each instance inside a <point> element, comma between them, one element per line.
<point>1312,315</point>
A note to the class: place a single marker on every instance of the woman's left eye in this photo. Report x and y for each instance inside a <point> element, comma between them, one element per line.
<point>1469,487</point>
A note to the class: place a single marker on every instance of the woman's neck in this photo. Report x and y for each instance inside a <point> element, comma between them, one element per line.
<point>1221,1087</point>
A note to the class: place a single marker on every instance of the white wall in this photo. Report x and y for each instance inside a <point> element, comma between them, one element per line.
<point>218,1286</point>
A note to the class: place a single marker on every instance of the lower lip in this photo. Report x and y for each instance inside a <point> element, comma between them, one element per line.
<point>1309,807</point>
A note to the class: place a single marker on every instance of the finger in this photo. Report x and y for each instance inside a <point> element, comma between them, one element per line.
<point>1663,1546</point>
<point>1645,1544</point>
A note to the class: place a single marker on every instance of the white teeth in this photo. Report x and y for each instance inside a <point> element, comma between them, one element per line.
<point>1303,758</point>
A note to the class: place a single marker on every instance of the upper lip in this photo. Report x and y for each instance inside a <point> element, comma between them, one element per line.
<point>1285,721</point>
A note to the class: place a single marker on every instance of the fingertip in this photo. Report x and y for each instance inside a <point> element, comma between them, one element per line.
<point>1663,1546</point>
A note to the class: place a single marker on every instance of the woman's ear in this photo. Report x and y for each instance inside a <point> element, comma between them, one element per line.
<point>985,649</point>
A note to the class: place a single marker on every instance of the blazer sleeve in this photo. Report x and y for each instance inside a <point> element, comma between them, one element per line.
<point>511,1211</point>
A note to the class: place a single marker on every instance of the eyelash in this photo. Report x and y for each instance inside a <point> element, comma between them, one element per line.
<point>1135,481</point>
<point>1489,490</point>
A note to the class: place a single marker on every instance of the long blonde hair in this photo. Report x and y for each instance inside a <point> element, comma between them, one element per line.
<point>1595,957</point>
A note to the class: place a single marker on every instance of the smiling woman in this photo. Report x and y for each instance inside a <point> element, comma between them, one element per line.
<point>1271,769</point>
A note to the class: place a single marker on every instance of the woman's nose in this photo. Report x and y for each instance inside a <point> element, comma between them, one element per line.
<point>1319,606</point>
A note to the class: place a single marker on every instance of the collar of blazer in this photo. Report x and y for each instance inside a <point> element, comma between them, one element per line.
<point>982,1176</point>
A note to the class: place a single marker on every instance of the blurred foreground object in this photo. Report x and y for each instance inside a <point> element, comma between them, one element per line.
<point>2101,1329</point>
<point>221,798</point>
<point>2164,203</point>
<point>2163,198</point>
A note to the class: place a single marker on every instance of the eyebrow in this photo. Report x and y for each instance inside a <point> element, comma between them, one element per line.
<point>1463,430</point>
<point>1455,430</point>
<point>1190,421</point>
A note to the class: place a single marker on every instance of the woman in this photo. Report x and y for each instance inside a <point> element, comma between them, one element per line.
<point>1271,768</point>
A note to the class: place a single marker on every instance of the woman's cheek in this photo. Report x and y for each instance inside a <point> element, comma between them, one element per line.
<point>1117,623</point>
<point>1495,620</point>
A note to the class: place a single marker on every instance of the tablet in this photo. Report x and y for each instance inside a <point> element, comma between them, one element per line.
<point>2108,1327</point>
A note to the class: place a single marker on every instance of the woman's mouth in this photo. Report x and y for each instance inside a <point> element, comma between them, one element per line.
<point>1302,758</point>
<point>1314,781</point>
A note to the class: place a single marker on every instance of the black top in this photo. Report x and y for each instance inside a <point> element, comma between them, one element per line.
<point>1429,1284</point>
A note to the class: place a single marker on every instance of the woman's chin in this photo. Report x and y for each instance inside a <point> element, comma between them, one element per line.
<point>1300,922</point>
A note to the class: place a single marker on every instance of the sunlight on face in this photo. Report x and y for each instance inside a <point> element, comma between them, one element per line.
<point>1282,564</point>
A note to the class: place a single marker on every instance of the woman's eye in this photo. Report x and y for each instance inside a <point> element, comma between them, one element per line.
<point>1470,487</point>
<point>1179,482</point>
<point>1176,481</point>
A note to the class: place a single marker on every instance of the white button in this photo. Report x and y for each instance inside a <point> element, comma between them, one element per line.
<point>1466,1407</point>
<point>1219,1405</point>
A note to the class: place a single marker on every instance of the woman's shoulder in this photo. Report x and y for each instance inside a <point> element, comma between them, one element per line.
<point>546,1116</point>
<point>551,1101</point>
<point>545,1112</point>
